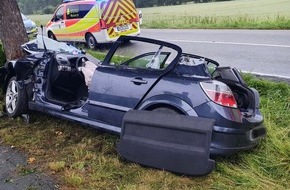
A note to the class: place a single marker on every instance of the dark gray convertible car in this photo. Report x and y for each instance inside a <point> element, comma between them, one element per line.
<point>173,110</point>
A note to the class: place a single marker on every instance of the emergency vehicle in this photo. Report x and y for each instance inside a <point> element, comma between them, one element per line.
<point>94,21</point>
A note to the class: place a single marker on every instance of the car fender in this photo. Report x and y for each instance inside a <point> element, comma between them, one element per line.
<point>18,68</point>
<point>6,72</point>
<point>3,74</point>
<point>167,100</point>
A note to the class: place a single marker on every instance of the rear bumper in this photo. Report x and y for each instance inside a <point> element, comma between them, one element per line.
<point>227,142</point>
<point>32,31</point>
<point>103,37</point>
<point>233,131</point>
<point>242,135</point>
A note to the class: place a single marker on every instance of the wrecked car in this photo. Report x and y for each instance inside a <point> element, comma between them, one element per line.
<point>37,45</point>
<point>173,110</point>
<point>29,25</point>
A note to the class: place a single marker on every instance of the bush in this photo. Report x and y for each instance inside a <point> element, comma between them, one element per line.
<point>38,12</point>
<point>2,56</point>
<point>48,9</point>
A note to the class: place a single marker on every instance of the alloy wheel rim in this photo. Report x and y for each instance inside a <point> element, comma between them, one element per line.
<point>11,97</point>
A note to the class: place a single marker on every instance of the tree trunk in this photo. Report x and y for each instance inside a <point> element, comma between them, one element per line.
<point>12,30</point>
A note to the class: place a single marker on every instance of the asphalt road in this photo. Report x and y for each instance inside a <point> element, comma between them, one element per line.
<point>265,52</point>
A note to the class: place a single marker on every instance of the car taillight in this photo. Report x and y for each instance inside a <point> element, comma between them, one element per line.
<point>219,93</point>
<point>103,24</point>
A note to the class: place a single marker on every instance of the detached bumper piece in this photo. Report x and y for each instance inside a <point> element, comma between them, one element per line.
<point>176,143</point>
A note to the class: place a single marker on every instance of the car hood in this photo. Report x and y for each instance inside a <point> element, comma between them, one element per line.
<point>35,46</point>
<point>28,23</point>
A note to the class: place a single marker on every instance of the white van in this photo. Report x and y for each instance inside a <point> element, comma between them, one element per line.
<point>94,21</point>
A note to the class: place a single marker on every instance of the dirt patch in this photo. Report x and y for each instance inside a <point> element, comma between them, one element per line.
<point>15,173</point>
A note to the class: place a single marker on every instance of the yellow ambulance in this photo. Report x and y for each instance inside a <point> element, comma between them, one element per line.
<point>93,21</point>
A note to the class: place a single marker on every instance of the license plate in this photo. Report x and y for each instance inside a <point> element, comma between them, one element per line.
<point>122,28</point>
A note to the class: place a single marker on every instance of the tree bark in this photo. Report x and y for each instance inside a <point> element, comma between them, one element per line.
<point>12,30</point>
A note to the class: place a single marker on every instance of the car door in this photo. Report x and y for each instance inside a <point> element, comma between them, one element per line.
<point>58,23</point>
<point>125,77</point>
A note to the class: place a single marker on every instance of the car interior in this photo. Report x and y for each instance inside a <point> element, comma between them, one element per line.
<point>243,94</point>
<point>148,60</point>
<point>66,83</point>
<point>137,55</point>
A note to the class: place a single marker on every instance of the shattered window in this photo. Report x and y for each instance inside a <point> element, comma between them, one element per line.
<point>143,55</point>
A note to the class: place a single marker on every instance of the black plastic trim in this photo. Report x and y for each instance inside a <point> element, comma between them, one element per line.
<point>177,143</point>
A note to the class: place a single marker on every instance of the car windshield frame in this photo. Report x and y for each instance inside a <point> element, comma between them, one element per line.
<point>125,39</point>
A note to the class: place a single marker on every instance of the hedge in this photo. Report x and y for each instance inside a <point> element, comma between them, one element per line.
<point>2,56</point>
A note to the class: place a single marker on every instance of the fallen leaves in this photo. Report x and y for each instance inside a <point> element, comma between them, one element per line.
<point>31,160</point>
<point>58,133</point>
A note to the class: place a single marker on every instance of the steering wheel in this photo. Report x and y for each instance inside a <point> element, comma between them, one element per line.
<point>80,63</point>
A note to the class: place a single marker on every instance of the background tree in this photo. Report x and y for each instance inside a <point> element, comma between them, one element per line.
<point>38,6</point>
<point>12,30</point>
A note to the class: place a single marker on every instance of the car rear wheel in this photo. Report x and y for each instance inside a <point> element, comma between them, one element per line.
<point>91,41</point>
<point>166,110</point>
<point>51,35</point>
<point>15,99</point>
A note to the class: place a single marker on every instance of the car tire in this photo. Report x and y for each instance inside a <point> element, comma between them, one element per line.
<point>51,36</point>
<point>91,41</point>
<point>15,99</point>
<point>166,110</point>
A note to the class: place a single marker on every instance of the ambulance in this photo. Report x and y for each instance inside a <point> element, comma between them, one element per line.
<point>94,21</point>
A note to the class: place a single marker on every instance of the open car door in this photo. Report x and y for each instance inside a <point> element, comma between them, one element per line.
<point>127,74</point>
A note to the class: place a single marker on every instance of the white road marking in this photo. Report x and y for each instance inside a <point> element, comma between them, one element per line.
<point>229,43</point>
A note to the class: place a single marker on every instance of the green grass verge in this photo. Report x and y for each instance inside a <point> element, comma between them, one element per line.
<point>84,158</point>
<point>218,22</point>
<point>239,14</point>
<point>40,19</point>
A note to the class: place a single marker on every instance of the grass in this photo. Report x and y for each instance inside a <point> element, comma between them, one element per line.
<point>40,19</point>
<point>85,158</point>
<point>218,22</point>
<point>238,14</point>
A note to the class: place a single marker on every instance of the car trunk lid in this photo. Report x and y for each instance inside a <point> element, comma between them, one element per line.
<point>247,98</point>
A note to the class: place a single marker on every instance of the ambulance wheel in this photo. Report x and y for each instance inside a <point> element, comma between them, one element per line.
<point>51,35</point>
<point>91,41</point>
